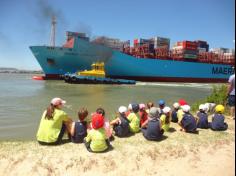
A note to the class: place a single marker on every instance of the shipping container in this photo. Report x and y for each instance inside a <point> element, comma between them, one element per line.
<point>188,45</point>
<point>160,42</point>
<point>190,56</point>
<point>220,50</point>
<point>202,50</point>
<point>136,41</point>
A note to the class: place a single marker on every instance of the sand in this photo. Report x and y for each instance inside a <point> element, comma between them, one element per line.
<point>207,153</point>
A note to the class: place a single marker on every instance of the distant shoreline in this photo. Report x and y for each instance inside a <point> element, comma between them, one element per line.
<point>23,72</point>
<point>15,70</point>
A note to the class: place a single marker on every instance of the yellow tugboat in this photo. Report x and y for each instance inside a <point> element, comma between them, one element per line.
<point>95,76</point>
<point>97,70</point>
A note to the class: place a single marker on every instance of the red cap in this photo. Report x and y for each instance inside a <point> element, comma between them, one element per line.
<point>182,102</point>
<point>97,121</point>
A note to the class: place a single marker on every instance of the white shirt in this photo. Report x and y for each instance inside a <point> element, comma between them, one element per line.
<point>232,82</point>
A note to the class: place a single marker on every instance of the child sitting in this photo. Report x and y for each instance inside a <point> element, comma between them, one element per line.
<point>143,114</point>
<point>96,140</point>
<point>129,110</point>
<point>188,122</point>
<point>153,130</point>
<point>180,112</point>
<point>106,123</point>
<point>79,128</point>
<point>174,117</point>
<point>121,124</point>
<point>134,119</point>
<point>218,118</point>
<point>149,106</point>
<point>202,117</point>
<point>161,106</point>
<point>165,119</point>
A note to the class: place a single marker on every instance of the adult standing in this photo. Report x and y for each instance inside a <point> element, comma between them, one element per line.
<point>231,95</point>
<point>54,123</point>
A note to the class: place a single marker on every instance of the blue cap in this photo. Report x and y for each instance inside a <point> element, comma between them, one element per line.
<point>161,102</point>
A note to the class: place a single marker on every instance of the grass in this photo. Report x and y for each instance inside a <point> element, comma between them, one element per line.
<point>217,96</point>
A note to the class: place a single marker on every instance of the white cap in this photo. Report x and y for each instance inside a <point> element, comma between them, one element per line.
<point>176,105</point>
<point>202,107</point>
<point>186,108</point>
<point>57,101</point>
<point>166,109</point>
<point>122,109</point>
<point>130,106</point>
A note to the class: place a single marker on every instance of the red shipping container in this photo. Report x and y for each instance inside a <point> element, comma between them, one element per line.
<point>135,41</point>
<point>189,45</point>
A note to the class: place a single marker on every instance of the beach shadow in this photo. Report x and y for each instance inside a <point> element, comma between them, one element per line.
<point>158,140</point>
<point>110,148</point>
<point>64,141</point>
<point>129,135</point>
<point>163,138</point>
<point>196,132</point>
<point>172,130</point>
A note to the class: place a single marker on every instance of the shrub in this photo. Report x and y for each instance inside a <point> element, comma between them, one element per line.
<point>217,96</point>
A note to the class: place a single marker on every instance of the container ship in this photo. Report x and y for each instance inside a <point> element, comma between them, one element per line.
<point>149,60</point>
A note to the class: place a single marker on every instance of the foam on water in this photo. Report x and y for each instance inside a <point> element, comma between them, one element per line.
<point>196,85</point>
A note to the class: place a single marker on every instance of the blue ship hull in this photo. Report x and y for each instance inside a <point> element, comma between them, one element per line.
<point>57,61</point>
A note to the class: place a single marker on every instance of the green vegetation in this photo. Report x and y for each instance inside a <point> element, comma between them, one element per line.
<point>218,96</point>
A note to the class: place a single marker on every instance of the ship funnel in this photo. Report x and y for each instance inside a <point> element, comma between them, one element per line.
<point>53,31</point>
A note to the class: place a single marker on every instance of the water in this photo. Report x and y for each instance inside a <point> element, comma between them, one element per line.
<point>22,100</point>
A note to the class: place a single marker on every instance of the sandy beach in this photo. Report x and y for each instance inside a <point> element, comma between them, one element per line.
<point>207,153</point>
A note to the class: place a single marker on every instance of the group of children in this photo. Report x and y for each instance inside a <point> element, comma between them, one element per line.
<point>150,120</point>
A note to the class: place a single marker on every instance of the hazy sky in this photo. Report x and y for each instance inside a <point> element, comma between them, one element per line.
<point>27,22</point>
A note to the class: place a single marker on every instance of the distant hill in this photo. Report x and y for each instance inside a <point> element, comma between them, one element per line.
<point>15,70</point>
<point>7,69</point>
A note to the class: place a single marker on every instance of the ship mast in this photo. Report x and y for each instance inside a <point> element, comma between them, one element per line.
<point>53,31</point>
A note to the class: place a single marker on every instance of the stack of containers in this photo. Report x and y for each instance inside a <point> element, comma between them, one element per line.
<point>203,49</point>
<point>161,47</point>
<point>136,42</point>
<point>143,47</point>
<point>115,44</point>
<point>220,50</point>
<point>126,47</point>
<point>147,45</point>
<point>229,57</point>
<point>203,46</point>
<point>219,54</point>
<point>161,42</point>
<point>185,49</point>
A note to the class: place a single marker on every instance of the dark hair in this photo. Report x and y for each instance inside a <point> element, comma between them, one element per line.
<point>167,120</point>
<point>201,110</point>
<point>100,111</point>
<point>82,113</point>
<point>50,111</point>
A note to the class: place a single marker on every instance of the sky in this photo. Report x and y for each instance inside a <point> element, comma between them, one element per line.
<point>25,23</point>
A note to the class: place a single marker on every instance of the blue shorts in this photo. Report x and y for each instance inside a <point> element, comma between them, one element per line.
<point>231,100</point>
